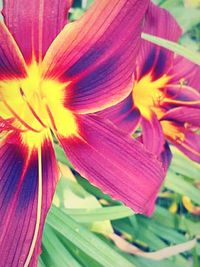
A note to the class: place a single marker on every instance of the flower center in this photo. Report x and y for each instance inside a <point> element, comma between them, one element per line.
<point>173,132</point>
<point>33,104</point>
<point>148,95</point>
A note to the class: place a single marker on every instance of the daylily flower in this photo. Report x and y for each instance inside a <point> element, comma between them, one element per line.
<point>165,98</point>
<point>52,78</point>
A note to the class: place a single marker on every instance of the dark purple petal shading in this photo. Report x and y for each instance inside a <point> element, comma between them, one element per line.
<point>19,198</point>
<point>166,157</point>
<point>182,95</point>
<point>124,115</point>
<point>152,58</point>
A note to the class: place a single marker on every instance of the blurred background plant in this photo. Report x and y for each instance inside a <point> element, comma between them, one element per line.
<point>85,227</point>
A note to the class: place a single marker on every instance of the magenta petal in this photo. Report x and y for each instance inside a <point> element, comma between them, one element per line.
<point>35,24</point>
<point>19,199</point>
<point>96,54</point>
<point>183,93</point>
<point>11,60</point>
<point>195,80</point>
<point>183,114</point>
<point>158,22</point>
<point>186,71</point>
<point>124,115</point>
<point>152,134</point>
<point>117,164</point>
<point>166,157</point>
<point>190,146</point>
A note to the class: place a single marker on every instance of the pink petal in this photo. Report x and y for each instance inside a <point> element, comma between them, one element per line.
<point>190,146</point>
<point>124,115</point>
<point>184,115</point>
<point>185,95</point>
<point>159,22</point>
<point>186,71</point>
<point>96,54</point>
<point>152,134</point>
<point>19,199</point>
<point>35,24</point>
<point>117,164</point>
<point>11,61</point>
<point>166,157</point>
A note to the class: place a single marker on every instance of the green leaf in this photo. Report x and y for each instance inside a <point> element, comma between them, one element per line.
<point>178,184</point>
<point>76,13</point>
<point>93,189</point>
<point>186,17</point>
<point>60,155</point>
<point>141,236</point>
<point>41,263</point>
<point>174,47</point>
<point>79,255</point>
<point>183,165</point>
<point>56,253</point>
<point>170,3</point>
<point>73,197</point>
<point>99,214</point>
<point>141,262</point>
<point>85,240</point>
<point>166,233</point>
<point>163,217</point>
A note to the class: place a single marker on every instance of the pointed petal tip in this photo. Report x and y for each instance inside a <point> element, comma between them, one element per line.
<point>35,24</point>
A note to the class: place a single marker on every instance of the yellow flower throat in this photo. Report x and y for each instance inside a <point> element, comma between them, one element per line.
<point>148,96</point>
<point>34,105</point>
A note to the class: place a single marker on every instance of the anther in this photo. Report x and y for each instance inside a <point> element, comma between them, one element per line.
<point>183,81</point>
<point>180,138</point>
<point>21,91</point>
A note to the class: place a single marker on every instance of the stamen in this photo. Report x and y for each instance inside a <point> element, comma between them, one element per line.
<point>18,118</point>
<point>190,103</point>
<point>51,117</point>
<point>31,108</point>
<point>50,114</point>
<point>183,81</point>
<point>6,125</point>
<point>180,138</point>
<point>21,91</point>
<point>159,100</point>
